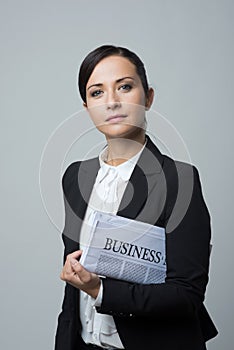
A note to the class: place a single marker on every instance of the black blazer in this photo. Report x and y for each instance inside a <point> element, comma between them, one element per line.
<point>164,316</point>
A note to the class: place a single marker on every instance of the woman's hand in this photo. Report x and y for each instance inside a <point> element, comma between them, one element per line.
<point>76,275</point>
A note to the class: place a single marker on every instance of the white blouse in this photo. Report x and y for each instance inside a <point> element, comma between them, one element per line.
<point>108,190</point>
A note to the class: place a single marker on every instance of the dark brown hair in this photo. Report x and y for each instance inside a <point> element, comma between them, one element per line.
<point>95,56</point>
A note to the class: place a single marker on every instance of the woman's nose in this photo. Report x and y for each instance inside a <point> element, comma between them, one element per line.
<point>112,100</point>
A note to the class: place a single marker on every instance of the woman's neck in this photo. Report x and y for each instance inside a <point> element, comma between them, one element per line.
<point>119,150</point>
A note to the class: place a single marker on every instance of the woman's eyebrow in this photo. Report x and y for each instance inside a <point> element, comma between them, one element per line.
<point>98,84</point>
<point>117,81</point>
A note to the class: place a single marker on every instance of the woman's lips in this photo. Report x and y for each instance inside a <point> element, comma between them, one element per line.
<point>116,118</point>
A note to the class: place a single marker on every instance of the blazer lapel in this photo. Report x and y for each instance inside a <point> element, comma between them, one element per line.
<point>86,178</point>
<point>147,174</point>
<point>77,192</point>
<point>135,194</point>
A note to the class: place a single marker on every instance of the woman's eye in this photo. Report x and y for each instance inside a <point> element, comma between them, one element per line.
<point>96,93</point>
<point>126,87</point>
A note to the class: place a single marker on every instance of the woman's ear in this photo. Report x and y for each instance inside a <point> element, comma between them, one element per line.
<point>149,99</point>
<point>85,105</point>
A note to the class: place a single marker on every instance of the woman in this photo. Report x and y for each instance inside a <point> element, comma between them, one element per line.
<point>131,178</point>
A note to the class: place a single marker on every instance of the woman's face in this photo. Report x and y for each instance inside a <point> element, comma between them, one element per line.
<point>116,100</point>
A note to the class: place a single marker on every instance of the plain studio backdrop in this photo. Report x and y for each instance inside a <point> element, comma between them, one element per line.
<point>187,48</point>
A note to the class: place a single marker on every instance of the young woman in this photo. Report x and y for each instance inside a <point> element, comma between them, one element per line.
<point>131,178</point>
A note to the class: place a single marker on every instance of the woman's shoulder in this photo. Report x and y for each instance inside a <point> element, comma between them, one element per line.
<point>180,175</point>
<point>78,168</point>
<point>169,165</point>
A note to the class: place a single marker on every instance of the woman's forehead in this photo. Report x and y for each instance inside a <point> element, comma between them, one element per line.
<point>112,68</point>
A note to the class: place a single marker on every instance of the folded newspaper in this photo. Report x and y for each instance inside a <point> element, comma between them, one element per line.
<point>125,249</point>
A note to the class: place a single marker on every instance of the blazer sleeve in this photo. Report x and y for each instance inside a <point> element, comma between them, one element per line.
<point>187,250</point>
<point>67,336</point>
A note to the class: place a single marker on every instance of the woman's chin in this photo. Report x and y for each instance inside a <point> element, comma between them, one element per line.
<point>121,131</point>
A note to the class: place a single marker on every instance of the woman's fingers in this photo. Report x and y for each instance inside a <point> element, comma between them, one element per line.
<point>84,275</point>
<point>76,275</point>
<point>77,254</point>
<point>67,271</point>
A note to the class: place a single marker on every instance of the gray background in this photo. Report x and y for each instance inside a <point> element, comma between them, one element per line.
<point>187,47</point>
